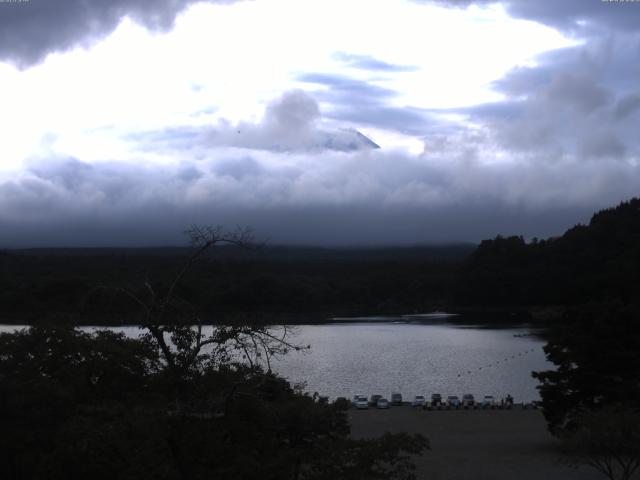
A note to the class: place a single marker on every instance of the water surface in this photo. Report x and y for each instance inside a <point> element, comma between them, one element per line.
<point>412,358</point>
<point>380,358</point>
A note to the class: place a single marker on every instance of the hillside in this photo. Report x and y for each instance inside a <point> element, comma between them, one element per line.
<point>40,283</point>
<point>595,262</point>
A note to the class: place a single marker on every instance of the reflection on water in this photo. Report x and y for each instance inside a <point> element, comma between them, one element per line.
<point>411,358</point>
<point>378,358</point>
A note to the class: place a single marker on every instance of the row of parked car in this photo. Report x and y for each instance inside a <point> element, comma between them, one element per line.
<point>419,401</point>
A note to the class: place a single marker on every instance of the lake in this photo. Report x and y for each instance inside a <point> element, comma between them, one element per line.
<point>411,357</point>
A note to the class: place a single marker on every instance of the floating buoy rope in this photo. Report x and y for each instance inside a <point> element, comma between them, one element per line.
<point>498,362</point>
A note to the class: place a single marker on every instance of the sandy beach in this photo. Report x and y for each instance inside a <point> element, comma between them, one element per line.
<point>476,444</point>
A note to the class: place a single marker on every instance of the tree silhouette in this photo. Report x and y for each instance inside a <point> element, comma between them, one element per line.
<point>607,440</point>
<point>596,351</point>
<point>182,402</point>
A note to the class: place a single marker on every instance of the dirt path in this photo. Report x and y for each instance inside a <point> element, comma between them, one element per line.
<point>475,444</point>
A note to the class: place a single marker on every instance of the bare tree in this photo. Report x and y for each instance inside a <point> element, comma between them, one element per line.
<point>175,327</point>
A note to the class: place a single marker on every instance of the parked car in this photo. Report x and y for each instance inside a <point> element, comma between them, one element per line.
<point>383,403</point>
<point>362,403</point>
<point>453,401</point>
<point>396,399</point>
<point>468,400</point>
<point>488,401</point>
<point>436,399</point>
<point>419,401</point>
<point>374,399</point>
<point>357,398</point>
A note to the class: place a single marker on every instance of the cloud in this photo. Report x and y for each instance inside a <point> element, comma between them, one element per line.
<point>294,111</point>
<point>574,104</point>
<point>562,145</point>
<point>291,123</point>
<point>30,30</point>
<point>342,87</point>
<point>580,17</point>
<point>366,62</point>
<point>627,106</point>
<point>578,92</point>
<point>450,192</point>
<point>365,103</point>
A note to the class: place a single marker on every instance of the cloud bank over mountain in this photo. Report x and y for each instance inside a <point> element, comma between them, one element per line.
<point>350,144</point>
<point>296,192</point>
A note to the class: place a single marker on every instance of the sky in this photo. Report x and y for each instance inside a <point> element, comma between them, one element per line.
<point>316,122</point>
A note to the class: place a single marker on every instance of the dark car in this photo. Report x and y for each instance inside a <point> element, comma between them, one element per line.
<point>453,401</point>
<point>468,400</point>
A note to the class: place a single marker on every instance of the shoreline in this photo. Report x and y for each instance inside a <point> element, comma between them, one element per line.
<point>489,316</point>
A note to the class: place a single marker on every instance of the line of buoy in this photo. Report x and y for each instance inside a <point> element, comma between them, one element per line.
<point>513,357</point>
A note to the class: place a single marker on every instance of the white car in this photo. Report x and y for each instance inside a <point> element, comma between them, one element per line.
<point>383,403</point>
<point>419,401</point>
<point>357,398</point>
<point>360,402</point>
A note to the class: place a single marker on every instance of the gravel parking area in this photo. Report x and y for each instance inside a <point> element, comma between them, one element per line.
<point>476,444</point>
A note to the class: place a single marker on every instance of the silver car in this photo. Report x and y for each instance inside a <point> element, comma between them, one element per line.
<point>357,398</point>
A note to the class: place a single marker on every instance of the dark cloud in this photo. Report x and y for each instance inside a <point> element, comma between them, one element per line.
<point>365,103</point>
<point>603,144</point>
<point>581,17</point>
<point>521,81</point>
<point>30,30</point>
<point>366,62</point>
<point>325,226</point>
<point>578,92</point>
<point>368,197</point>
<point>575,103</point>
<point>627,106</point>
<point>612,61</point>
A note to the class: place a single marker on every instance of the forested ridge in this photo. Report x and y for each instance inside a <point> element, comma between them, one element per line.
<point>599,261</point>
<point>267,281</point>
<point>595,262</point>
